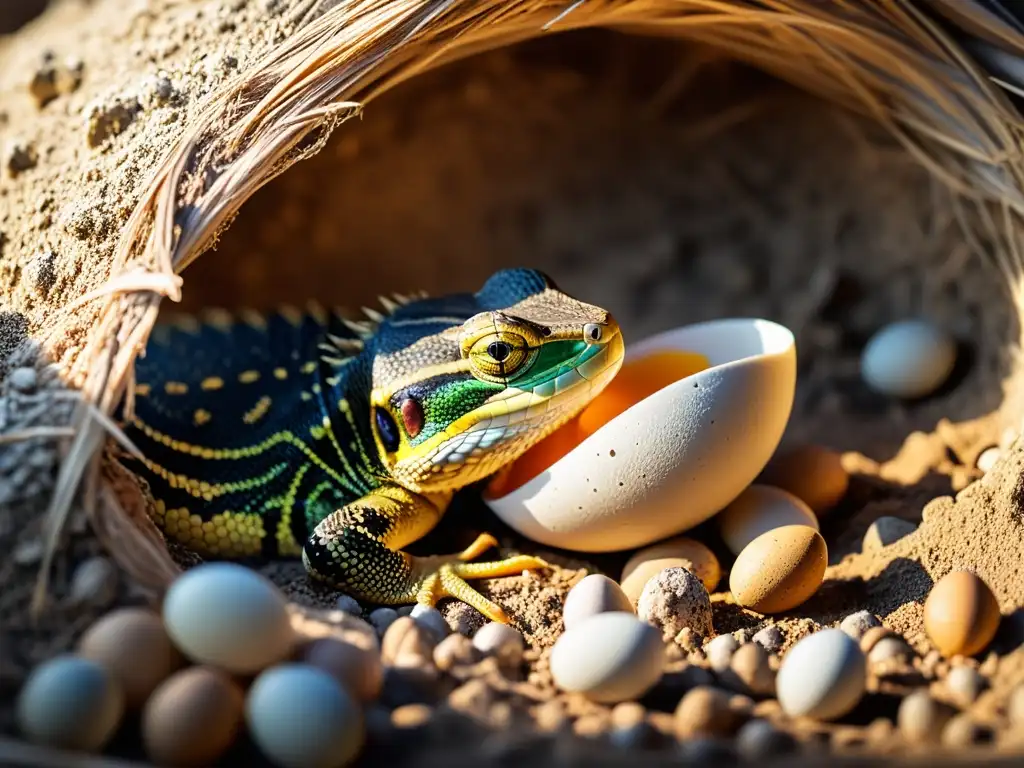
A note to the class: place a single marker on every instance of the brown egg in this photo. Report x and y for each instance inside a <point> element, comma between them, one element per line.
<point>357,669</point>
<point>192,718</point>
<point>812,473</point>
<point>961,615</point>
<point>680,552</point>
<point>780,569</point>
<point>133,645</point>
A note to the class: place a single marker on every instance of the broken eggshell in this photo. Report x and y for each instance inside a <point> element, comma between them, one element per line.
<point>675,458</point>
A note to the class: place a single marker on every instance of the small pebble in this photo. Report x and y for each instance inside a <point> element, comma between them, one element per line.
<point>411,716</point>
<point>823,676</point>
<point>759,739</point>
<point>134,647</point>
<point>749,671</point>
<point>500,641</point>
<point>382,618</point>
<point>359,670</point>
<point>965,685</point>
<point>679,552</point>
<point>23,379</point>
<point>759,509</point>
<point>349,605</point>
<point>812,473</point>
<point>908,359</point>
<point>629,726</point>
<point>720,650</point>
<point>431,619</point>
<point>987,459</point>
<point>874,636</point>
<point>689,641</point>
<point>228,616</point>
<point>962,731</point>
<point>300,717</point>
<point>921,718</point>
<point>594,594</point>
<point>961,615</point>
<point>94,582</point>
<point>706,711</point>
<point>885,531</point>
<point>455,651</point>
<point>406,638</point>
<point>770,638</point>
<point>28,552</point>
<point>675,599</point>
<point>610,657</point>
<point>192,718</point>
<point>70,703</point>
<point>779,569</point>
<point>889,649</point>
<point>856,624</point>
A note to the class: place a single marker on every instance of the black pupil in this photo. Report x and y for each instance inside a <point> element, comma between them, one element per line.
<point>499,350</point>
<point>388,430</point>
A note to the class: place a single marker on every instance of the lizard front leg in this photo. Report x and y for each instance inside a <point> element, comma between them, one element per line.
<point>358,549</point>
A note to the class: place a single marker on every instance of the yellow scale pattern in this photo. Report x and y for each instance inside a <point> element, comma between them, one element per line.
<point>227,534</point>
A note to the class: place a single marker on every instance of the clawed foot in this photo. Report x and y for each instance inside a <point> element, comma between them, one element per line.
<point>445,576</point>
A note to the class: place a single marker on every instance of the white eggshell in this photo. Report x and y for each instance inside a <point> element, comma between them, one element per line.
<point>759,509</point>
<point>71,703</point>
<point>608,657</point>
<point>594,594</point>
<point>908,359</point>
<point>675,458</point>
<point>823,676</point>
<point>228,616</point>
<point>301,717</point>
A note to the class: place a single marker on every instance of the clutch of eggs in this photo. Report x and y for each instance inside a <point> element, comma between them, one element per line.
<point>690,420</point>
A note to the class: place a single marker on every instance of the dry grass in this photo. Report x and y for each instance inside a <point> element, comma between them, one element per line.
<point>882,58</point>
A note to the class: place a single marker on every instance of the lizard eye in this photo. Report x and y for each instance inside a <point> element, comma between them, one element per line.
<point>498,356</point>
<point>387,429</point>
<point>499,350</point>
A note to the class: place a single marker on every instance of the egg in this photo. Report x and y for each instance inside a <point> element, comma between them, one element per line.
<point>679,552</point>
<point>300,717</point>
<point>823,676</point>
<point>779,569</point>
<point>594,594</point>
<point>608,658</point>
<point>228,616</point>
<point>133,644</point>
<point>908,359</point>
<point>812,473</point>
<point>671,460</point>
<point>70,703</point>
<point>358,669</point>
<point>759,509</point>
<point>961,615</point>
<point>192,718</point>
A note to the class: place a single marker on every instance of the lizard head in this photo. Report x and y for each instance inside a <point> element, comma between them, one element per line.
<point>465,384</point>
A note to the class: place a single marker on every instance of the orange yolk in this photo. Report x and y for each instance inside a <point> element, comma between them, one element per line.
<point>635,381</point>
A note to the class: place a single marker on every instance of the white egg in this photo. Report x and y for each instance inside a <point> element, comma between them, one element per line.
<point>609,657</point>
<point>674,459</point>
<point>71,703</point>
<point>908,359</point>
<point>823,676</point>
<point>594,594</point>
<point>759,509</point>
<point>228,616</point>
<point>301,717</point>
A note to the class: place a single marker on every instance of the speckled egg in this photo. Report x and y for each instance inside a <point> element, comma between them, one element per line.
<point>71,703</point>
<point>680,552</point>
<point>961,615</point>
<point>133,644</point>
<point>779,569</point>
<point>228,616</point>
<point>758,509</point>
<point>192,718</point>
<point>812,473</point>
<point>610,657</point>
<point>823,676</point>
<point>908,359</point>
<point>300,717</point>
<point>594,594</point>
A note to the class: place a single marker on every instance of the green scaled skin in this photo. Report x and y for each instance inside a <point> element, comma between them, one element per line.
<point>343,442</point>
